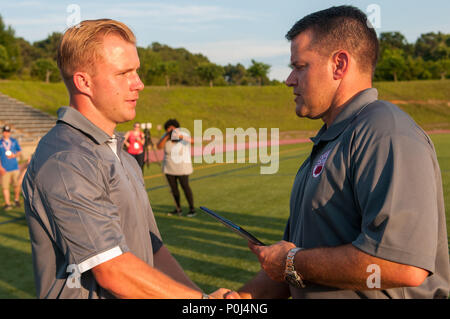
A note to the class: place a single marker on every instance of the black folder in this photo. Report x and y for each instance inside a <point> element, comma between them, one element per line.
<point>237,229</point>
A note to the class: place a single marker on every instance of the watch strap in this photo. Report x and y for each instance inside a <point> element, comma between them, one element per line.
<point>295,277</point>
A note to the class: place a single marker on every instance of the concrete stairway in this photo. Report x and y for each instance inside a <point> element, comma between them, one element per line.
<point>28,124</point>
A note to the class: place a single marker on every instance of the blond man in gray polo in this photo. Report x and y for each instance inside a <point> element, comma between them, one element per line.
<point>92,228</point>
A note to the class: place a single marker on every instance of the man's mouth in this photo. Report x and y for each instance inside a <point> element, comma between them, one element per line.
<point>132,100</point>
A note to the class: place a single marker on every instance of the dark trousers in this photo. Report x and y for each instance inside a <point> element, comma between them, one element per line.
<point>140,158</point>
<point>184,182</point>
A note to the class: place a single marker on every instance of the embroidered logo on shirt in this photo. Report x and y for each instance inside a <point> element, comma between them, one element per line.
<point>318,167</point>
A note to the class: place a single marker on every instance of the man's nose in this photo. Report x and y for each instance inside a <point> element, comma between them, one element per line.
<point>291,79</point>
<point>138,85</point>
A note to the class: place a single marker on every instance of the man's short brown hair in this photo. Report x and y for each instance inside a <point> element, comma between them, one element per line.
<point>79,46</point>
<point>341,28</point>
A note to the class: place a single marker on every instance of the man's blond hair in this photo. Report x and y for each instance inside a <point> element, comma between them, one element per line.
<point>80,45</point>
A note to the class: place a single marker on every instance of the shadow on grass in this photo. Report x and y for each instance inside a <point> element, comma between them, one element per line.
<point>16,269</point>
<point>16,275</point>
<point>204,246</point>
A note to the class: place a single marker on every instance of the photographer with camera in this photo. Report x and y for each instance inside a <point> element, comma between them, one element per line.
<point>177,164</point>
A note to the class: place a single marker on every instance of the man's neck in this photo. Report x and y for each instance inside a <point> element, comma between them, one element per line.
<point>340,101</point>
<point>93,115</point>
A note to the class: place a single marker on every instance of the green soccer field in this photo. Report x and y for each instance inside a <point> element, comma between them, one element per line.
<point>211,255</point>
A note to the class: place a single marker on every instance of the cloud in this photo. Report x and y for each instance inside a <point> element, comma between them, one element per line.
<point>274,53</point>
<point>279,72</point>
<point>185,14</point>
<point>21,4</point>
<point>46,20</point>
<point>234,51</point>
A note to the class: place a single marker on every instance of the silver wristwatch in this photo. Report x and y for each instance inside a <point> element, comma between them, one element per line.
<point>290,275</point>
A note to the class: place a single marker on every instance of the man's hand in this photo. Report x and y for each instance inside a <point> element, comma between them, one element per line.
<point>273,258</point>
<point>223,293</point>
<point>2,171</point>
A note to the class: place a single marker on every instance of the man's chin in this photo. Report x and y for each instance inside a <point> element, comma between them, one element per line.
<point>129,116</point>
<point>301,111</point>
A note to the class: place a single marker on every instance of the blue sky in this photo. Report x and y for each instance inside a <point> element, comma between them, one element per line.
<point>226,31</point>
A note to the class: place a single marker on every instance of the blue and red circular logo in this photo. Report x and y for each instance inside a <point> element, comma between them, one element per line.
<point>318,167</point>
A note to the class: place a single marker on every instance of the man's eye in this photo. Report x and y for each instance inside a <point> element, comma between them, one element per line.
<point>297,66</point>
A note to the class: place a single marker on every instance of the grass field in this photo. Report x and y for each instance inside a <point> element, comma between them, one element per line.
<point>244,107</point>
<point>211,255</point>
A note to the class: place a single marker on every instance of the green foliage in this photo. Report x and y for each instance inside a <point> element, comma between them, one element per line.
<point>4,60</point>
<point>49,47</point>
<point>209,72</point>
<point>392,64</point>
<point>160,64</point>
<point>235,74</point>
<point>433,46</point>
<point>259,71</point>
<point>45,70</point>
<point>10,58</point>
<point>165,69</point>
<point>427,58</point>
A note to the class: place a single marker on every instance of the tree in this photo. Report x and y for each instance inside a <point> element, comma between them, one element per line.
<point>49,46</point>
<point>209,72</point>
<point>259,71</point>
<point>235,74</point>
<point>416,68</point>
<point>149,59</point>
<point>166,69</point>
<point>433,46</point>
<point>392,65</point>
<point>45,70</point>
<point>186,64</point>
<point>441,69</point>
<point>4,61</point>
<point>395,40</point>
<point>10,52</point>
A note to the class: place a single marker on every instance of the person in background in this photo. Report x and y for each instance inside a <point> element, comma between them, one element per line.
<point>10,151</point>
<point>134,142</point>
<point>177,164</point>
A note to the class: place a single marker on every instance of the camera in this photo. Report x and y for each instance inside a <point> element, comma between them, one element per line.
<point>175,135</point>
<point>147,135</point>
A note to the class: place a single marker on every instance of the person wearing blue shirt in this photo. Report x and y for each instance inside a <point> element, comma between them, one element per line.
<point>9,167</point>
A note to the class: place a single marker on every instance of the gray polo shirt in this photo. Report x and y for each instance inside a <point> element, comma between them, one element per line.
<point>84,206</point>
<point>373,180</point>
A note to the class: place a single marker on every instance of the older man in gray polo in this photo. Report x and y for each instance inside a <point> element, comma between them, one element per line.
<point>367,217</point>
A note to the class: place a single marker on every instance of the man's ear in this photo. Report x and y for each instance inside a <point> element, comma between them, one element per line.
<point>341,62</point>
<point>82,82</point>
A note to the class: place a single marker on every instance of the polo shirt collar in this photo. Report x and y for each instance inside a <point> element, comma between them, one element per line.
<point>348,113</point>
<point>77,120</point>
